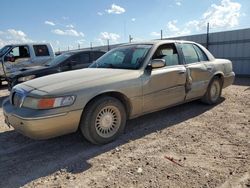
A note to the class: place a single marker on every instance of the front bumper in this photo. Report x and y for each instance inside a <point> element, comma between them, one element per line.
<point>228,79</point>
<point>42,127</point>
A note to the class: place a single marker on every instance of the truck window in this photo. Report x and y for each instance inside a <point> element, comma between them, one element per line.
<point>167,52</point>
<point>189,53</point>
<point>41,50</point>
<point>19,52</point>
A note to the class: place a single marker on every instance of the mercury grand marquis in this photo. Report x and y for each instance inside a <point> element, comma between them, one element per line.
<point>127,82</point>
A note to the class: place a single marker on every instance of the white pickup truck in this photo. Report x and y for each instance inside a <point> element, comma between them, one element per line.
<point>19,56</point>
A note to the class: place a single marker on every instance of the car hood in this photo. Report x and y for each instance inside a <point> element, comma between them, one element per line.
<point>79,79</point>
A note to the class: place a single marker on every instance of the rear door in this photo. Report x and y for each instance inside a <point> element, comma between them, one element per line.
<point>198,72</point>
<point>164,86</point>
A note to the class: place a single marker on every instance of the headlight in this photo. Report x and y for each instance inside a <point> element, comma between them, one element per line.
<point>48,103</point>
<point>26,78</point>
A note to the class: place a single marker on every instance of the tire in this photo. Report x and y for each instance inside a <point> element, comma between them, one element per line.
<point>213,93</point>
<point>103,120</point>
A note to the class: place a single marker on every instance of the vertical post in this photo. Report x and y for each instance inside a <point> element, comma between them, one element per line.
<point>68,48</point>
<point>208,35</point>
<point>108,44</point>
<point>79,46</point>
<point>161,35</point>
<point>91,47</point>
<point>130,38</point>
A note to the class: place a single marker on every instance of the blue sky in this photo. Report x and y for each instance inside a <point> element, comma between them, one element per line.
<point>67,23</point>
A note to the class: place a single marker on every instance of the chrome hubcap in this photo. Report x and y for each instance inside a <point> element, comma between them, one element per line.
<point>215,90</point>
<point>108,121</point>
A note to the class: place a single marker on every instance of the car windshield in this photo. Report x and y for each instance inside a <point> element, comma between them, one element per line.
<point>57,60</point>
<point>4,50</point>
<point>129,57</point>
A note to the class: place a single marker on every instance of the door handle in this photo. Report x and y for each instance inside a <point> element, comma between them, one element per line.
<point>181,72</point>
<point>209,68</point>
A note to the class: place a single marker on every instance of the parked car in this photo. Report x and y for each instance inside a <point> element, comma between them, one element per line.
<point>125,83</point>
<point>17,56</point>
<point>64,62</point>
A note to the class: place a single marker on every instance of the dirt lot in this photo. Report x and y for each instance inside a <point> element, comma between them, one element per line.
<point>192,145</point>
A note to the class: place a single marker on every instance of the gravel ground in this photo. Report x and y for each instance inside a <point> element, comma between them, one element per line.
<point>192,145</point>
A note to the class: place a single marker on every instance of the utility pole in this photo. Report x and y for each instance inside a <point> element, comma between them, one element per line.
<point>161,35</point>
<point>108,43</point>
<point>208,27</point>
<point>130,38</point>
<point>79,46</point>
<point>91,47</point>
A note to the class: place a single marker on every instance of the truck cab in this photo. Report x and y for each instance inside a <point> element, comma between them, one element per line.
<point>17,56</point>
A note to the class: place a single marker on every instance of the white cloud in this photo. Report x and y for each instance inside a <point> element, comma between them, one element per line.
<point>12,36</point>
<point>155,34</point>
<point>178,3</point>
<point>70,26</point>
<point>81,41</point>
<point>171,26</point>
<point>68,32</point>
<point>174,31</point>
<point>109,36</point>
<point>49,23</point>
<point>224,15</point>
<point>99,13</point>
<point>115,9</point>
<point>133,19</point>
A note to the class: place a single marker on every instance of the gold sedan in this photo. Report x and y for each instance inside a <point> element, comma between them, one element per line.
<point>125,83</point>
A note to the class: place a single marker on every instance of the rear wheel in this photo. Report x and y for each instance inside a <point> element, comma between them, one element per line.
<point>213,93</point>
<point>103,120</point>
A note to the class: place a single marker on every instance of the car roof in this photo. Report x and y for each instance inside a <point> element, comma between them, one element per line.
<point>81,51</point>
<point>157,42</point>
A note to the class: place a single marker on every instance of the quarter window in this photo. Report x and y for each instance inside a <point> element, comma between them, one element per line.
<point>189,53</point>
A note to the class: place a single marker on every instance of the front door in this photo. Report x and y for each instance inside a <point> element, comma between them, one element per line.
<point>165,86</point>
<point>16,58</point>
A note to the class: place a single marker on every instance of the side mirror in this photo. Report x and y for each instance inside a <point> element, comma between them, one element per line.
<point>157,63</point>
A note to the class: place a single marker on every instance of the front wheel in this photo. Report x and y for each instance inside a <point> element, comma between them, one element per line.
<point>103,120</point>
<point>213,93</point>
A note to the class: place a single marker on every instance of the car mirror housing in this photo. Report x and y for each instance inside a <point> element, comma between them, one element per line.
<point>158,63</point>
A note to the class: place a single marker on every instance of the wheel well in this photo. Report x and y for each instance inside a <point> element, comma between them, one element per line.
<point>121,97</point>
<point>220,76</point>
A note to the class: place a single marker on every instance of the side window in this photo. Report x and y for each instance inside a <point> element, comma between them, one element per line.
<point>189,53</point>
<point>84,58</point>
<point>169,53</point>
<point>19,52</point>
<point>75,59</point>
<point>96,55</point>
<point>201,54</point>
<point>41,50</point>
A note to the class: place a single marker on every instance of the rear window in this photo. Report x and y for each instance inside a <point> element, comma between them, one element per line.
<point>41,50</point>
